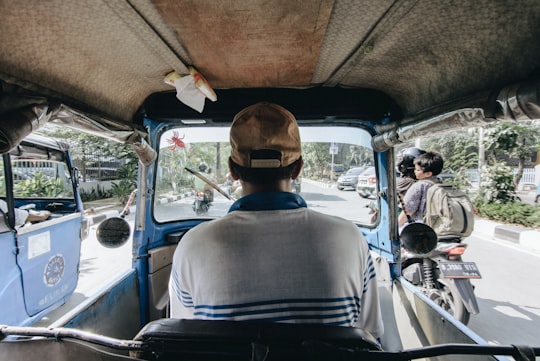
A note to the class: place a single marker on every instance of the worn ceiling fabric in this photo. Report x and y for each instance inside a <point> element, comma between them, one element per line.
<point>109,56</point>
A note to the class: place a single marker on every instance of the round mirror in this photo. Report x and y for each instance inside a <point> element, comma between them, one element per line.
<point>418,238</point>
<point>113,232</point>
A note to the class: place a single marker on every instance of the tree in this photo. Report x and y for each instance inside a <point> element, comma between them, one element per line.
<point>459,151</point>
<point>84,147</point>
<point>315,156</point>
<point>511,139</point>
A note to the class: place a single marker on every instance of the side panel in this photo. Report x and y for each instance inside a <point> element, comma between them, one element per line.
<point>113,312</point>
<point>51,349</point>
<point>13,312</point>
<point>48,256</point>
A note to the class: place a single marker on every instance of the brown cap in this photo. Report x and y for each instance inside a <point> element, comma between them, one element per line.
<point>265,135</point>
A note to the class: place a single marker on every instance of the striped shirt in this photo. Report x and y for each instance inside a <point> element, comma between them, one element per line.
<point>272,259</point>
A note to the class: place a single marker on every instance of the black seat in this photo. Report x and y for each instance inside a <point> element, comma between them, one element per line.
<point>168,339</point>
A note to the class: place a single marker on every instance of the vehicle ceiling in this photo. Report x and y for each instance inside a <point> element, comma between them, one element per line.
<point>412,59</point>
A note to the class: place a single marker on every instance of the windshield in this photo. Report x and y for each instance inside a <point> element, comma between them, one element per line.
<point>207,150</point>
<point>354,171</point>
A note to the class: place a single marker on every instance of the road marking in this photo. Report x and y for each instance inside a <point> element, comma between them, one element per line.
<point>529,251</point>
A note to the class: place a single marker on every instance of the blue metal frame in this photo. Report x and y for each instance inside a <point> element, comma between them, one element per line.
<point>39,264</point>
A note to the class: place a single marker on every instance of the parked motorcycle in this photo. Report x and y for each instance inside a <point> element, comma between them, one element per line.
<point>444,277</point>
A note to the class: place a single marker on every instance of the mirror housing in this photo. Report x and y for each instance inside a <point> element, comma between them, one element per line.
<point>418,238</point>
<point>113,232</point>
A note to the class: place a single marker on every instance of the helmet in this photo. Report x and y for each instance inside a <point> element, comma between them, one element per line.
<point>203,166</point>
<point>405,161</point>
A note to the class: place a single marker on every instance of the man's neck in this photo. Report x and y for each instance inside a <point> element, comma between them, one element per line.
<point>283,185</point>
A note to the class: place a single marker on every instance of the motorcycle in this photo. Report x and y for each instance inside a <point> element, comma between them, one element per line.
<point>444,277</point>
<point>202,202</point>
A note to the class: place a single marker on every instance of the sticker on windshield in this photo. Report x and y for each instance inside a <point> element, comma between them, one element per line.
<point>176,141</point>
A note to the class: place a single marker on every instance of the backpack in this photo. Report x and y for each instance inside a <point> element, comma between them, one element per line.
<point>448,211</point>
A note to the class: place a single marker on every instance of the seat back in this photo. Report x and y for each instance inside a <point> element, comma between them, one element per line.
<point>179,339</point>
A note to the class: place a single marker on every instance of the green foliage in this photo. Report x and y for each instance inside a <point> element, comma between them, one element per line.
<point>84,147</point>
<point>39,186</point>
<point>497,185</point>
<point>515,140</point>
<point>460,153</point>
<point>518,140</point>
<point>459,150</point>
<point>95,194</point>
<point>128,182</point>
<point>515,212</point>
<point>317,157</point>
<point>122,190</point>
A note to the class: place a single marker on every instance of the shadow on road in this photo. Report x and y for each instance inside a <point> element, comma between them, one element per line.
<point>508,323</point>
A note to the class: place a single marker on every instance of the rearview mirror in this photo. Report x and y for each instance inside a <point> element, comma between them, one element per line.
<point>113,232</point>
<point>418,238</point>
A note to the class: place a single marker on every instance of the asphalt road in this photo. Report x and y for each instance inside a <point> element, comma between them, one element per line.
<point>508,293</point>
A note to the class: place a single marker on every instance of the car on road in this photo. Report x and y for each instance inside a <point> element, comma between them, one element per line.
<point>349,179</point>
<point>367,183</point>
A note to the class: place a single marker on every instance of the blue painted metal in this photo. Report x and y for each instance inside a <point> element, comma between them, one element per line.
<point>39,264</point>
<point>48,278</point>
<point>152,234</point>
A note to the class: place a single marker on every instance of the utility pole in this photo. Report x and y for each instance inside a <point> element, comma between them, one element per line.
<point>218,160</point>
<point>481,154</point>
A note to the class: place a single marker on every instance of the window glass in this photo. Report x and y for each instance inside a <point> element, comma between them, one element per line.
<point>38,178</point>
<point>328,153</point>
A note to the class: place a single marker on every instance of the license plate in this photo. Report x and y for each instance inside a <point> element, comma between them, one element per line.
<point>459,270</point>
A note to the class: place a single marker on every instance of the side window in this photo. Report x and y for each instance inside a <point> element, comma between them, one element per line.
<point>34,178</point>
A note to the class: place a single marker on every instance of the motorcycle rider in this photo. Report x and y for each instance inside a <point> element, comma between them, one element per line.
<point>202,186</point>
<point>405,167</point>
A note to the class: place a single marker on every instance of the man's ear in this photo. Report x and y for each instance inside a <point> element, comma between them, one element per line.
<point>231,170</point>
<point>298,168</point>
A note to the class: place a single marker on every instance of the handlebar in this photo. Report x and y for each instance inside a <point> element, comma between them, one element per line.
<point>518,352</point>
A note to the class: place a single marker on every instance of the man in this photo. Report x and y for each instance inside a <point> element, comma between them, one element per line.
<point>21,216</point>
<point>271,258</point>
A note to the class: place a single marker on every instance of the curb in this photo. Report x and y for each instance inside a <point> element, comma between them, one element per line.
<point>172,198</point>
<point>524,237</point>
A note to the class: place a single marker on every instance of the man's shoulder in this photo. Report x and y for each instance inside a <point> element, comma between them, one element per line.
<point>326,220</point>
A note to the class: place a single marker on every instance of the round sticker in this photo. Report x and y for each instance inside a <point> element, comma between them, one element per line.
<point>54,270</point>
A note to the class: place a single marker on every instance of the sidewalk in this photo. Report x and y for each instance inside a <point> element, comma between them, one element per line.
<point>99,210</point>
<point>527,237</point>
